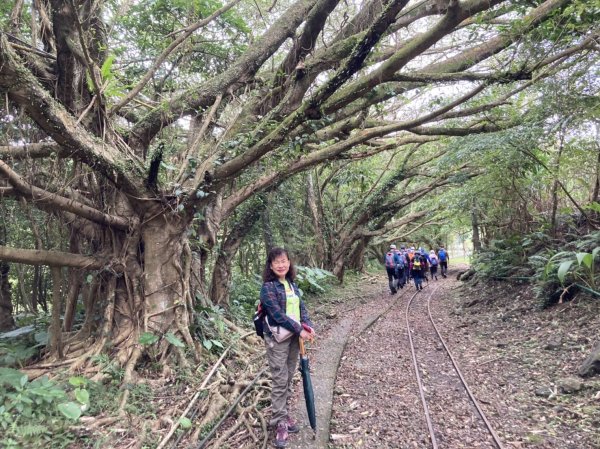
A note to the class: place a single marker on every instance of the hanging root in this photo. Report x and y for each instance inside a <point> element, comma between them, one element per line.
<point>129,374</point>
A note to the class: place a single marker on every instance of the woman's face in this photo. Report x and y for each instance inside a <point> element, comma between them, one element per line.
<point>280,266</point>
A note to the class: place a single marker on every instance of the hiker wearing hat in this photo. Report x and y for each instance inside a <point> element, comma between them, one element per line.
<point>410,255</point>
<point>401,268</point>
<point>433,264</point>
<point>391,260</point>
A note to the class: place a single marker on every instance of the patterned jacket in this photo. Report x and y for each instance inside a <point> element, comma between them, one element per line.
<point>273,300</point>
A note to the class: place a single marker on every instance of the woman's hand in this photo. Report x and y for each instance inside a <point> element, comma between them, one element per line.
<point>307,333</point>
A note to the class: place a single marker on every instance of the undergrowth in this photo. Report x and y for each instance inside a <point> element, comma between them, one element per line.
<point>37,413</point>
<point>557,269</point>
<point>42,413</point>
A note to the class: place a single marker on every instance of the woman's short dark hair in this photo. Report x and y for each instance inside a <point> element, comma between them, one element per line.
<point>269,275</point>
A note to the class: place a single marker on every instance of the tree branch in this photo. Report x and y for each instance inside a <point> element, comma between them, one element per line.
<point>187,32</point>
<point>39,195</point>
<point>32,150</point>
<point>203,95</point>
<point>311,108</point>
<point>23,88</point>
<point>50,258</point>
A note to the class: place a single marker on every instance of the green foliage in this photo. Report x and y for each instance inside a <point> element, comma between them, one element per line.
<point>582,271</point>
<point>15,353</point>
<point>212,343</point>
<point>110,368</point>
<point>171,338</point>
<point>148,339</point>
<point>140,402</point>
<point>140,35</point>
<point>313,280</point>
<point>209,327</point>
<point>185,423</point>
<point>26,343</point>
<point>244,295</point>
<point>503,258</point>
<point>37,413</point>
<point>556,269</point>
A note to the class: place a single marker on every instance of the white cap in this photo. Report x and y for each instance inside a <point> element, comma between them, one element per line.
<point>392,246</point>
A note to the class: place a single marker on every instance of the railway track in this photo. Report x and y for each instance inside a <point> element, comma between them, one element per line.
<point>441,384</point>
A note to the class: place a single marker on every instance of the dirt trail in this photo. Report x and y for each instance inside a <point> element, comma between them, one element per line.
<point>367,394</point>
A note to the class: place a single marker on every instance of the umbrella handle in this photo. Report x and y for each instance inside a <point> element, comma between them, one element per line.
<point>302,350</point>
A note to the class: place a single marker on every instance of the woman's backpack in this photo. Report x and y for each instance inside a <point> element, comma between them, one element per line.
<point>416,264</point>
<point>389,260</point>
<point>259,321</point>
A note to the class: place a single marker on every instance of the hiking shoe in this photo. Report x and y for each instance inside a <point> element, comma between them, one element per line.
<point>282,434</point>
<point>292,426</point>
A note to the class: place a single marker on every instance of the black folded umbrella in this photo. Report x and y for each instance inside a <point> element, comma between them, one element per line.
<point>309,395</point>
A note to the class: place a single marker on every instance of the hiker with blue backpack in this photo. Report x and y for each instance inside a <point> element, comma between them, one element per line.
<point>391,260</point>
<point>402,268</point>
<point>433,264</point>
<point>443,258</point>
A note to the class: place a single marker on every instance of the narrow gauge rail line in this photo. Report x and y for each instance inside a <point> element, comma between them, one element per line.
<point>457,370</point>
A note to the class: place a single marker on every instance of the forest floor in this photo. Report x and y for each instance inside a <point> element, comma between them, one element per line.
<point>520,362</point>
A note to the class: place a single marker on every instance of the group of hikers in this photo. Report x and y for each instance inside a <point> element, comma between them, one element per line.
<point>404,264</point>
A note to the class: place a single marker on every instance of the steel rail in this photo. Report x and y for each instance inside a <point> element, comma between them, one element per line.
<point>462,379</point>
<point>418,375</point>
<point>455,364</point>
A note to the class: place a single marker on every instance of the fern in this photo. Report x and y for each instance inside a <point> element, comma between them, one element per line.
<point>29,430</point>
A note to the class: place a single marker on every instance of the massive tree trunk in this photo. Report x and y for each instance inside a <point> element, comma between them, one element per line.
<point>356,261</point>
<point>475,228</point>
<point>6,319</point>
<point>222,271</point>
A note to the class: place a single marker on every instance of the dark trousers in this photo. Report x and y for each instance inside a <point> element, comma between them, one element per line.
<point>433,271</point>
<point>443,267</point>
<point>401,276</point>
<point>418,278</point>
<point>391,272</point>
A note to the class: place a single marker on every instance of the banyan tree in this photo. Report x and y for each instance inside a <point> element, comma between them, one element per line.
<point>140,128</point>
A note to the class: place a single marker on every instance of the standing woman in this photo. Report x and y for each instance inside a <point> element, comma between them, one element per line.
<point>280,299</point>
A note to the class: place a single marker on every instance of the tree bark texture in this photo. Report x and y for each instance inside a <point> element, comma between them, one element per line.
<point>6,309</point>
<point>312,199</point>
<point>475,228</point>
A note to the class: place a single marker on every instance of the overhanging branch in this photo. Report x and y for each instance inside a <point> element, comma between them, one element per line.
<point>50,258</point>
<point>34,151</point>
<point>23,89</point>
<point>66,204</point>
